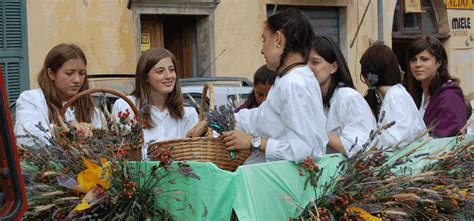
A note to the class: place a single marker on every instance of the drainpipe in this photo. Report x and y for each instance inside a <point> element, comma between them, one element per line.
<point>380,19</point>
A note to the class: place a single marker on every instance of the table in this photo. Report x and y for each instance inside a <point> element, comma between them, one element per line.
<point>267,191</point>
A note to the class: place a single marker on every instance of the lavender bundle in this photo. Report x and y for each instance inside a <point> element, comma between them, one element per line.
<point>222,120</point>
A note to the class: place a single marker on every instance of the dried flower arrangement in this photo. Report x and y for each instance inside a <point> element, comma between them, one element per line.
<point>222,120</point>
<point>369,188</point>
<point>79,176</point>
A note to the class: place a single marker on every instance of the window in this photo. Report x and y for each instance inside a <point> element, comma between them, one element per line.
<point>325,20</point>
<point>411,25</point>
<point>13,47</point>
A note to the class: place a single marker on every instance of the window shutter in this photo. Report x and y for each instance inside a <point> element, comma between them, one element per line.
<point>13,47</point>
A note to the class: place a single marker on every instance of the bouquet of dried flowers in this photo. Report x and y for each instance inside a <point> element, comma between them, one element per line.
<point>222,120</point>
<point>368,187</point>
<point>90,177</point>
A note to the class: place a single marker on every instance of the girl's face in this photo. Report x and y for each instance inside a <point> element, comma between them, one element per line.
<point>162,77</point>
<point>424,66</point>
<point>321,68</point>
<point>272,48</point>
<point>68,79</point>
<point>261,92</point>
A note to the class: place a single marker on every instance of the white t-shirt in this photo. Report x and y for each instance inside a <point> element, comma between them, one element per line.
<point>399,106</point>
<point>423,106</point>
<point>292,118</point>
<point>350,117</point>
<point>31,110</point>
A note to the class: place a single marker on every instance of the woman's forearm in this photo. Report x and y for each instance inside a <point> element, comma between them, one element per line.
<point>336,143</point>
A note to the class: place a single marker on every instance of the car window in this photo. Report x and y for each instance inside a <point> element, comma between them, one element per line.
<point>237,99</point>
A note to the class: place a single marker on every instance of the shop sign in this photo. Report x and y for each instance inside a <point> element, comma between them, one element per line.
<point>412,6</point>
<point>460,4</point>
<point>461,24</point>
<point>145,42</point>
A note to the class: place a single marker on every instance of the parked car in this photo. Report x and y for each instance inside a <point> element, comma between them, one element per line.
<point>12,193</point>
<point>227,90</point>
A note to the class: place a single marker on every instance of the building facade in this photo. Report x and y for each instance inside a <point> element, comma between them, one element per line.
<point>223,37</point>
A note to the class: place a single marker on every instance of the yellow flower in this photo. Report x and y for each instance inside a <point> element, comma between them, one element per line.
<point>82,206</point>
<point>364,215</point>
<point>94,175</point>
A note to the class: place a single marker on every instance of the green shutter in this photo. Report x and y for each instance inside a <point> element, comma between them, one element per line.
<point>14,47</point>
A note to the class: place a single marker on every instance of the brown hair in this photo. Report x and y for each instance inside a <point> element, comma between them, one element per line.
<point>327,49</point>
<point>297,30</point>
<point>174,102</point>
<point>84,106</point>
<point>379,65</point>
<point>434,47</point>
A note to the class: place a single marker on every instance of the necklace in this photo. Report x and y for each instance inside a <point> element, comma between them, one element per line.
<point>282,73</point>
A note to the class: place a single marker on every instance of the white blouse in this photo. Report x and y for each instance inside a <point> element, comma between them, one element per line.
<point>292,118</point>
<point>470,121</point>
<point>166,127</point>
<point>351,118</point>
<point>423,106</point>
<point>31,109</point>
<point>399,106</point>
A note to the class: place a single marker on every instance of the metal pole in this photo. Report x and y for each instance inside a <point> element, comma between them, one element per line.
<point>380,19</point>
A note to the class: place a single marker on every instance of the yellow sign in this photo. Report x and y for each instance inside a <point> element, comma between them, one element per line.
<point>460,4</point>
<point>145,41</point>
<point>412,6</point>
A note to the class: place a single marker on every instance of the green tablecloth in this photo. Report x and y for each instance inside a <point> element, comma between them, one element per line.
<point>269,191</point>
<point>416,161</point>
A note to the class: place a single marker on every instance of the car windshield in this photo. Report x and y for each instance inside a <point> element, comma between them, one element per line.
<point>233,91</point>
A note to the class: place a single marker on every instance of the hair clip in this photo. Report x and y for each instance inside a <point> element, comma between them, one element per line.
<point>373,78</point>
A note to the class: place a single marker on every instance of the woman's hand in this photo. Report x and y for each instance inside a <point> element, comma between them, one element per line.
<point>83,129</point>
<point>236,140</point>
<point>199,130</point>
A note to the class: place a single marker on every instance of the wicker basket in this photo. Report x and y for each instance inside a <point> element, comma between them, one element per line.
<point>133,149</point>
<point>202,149</point>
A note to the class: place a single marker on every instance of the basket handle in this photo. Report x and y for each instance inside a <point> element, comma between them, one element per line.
<point>94,90</point>
<point>210,88</point>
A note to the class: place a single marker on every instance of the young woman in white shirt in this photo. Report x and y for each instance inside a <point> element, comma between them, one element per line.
<point>349,118</point>
<point>289,124</point>
<point>62,76</point>
<point>386,96</point>
<point>158,94</point>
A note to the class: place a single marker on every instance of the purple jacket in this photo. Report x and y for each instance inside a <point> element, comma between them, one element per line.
<point>446,111</point>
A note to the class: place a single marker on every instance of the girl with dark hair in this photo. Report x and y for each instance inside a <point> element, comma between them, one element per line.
<point>387,98</point>
<point>157,91</point>
<point>263,80</point>
<point>350,119</point>
<point>435,91</point>
<point>62,76</point>
<point>289,125</point>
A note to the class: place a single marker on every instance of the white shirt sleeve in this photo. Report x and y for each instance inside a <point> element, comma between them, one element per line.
<point>400,107</point>
<point>191,118</point>
<point>304,120</point>
<point>470,122</point>
<point>292,118</point>
<point>355,119</point>
<point>245,120</point>
<point>31,110</point>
